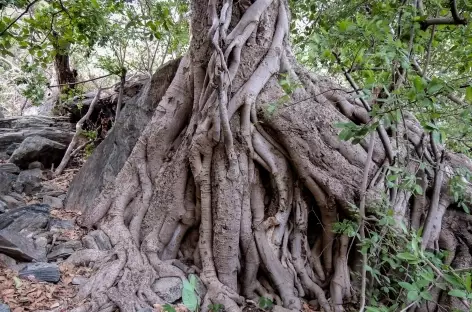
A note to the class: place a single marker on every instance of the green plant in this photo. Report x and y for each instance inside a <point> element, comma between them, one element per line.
<point>216,307</point>
<point>265,303</point>
<point>168,308</point>
<point>190,297</point>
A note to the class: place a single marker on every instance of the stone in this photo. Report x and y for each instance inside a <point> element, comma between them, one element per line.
<point>79,280</point>
<point>7,181</point>
<point>4,307</point>
<point>37,148</point>
<point>109,157</point>
<point>145,310</point>
<point>6,261</point>
<point>60,252</point>
<point>54,202</point>
<point>168,288</point>
<point>36,164</point>
<point>3,206</point>
<point>18,246</point>
<point>277,308</point>
<point>11,201</point>
<point>11,148</point>
<point>28,181</point>
<point>102,240</point>
<point>26,219</point>
<point>41,244</point>
<point>42,271</point>
<point>74,244</point>
<point>58,225</point>
<point>10,168</point>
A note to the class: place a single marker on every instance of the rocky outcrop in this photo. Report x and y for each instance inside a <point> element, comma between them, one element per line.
<point>15,130</point>
<point>109,157</point>
<point>37,148</point>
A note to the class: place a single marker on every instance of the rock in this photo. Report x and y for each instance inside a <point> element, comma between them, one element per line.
<point>102,240</point>
<point>145,310</point>
<point>3,206</point>
<point>110,156</point>
<point>11,201</point>
<point>26,219</point>
<point>73,244</point>
<point>57,225</point>
<point>18,246</point>
<point>277,308</point>
<point>10,168</point>
<point>4,307</point>
<point>7,181</point>
<point>168,288</point>
<point>54,202</point>
<point>47,272</point>
<point>37,148</point>
<point>6,261</point>
<point>11,148</point>
<point>28,181</point>
<point>41,244</point>
<point>36,164</point>
<point>60,252</point>
<point>16,129</point>
<point>79,280</point>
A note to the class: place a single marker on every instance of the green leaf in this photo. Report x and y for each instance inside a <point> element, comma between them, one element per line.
<point>406,256</point>
<point>17,282</point>
<point>457,293</point>
<point>413,295</point>
<point>189,297</point>
<point>168,308</point>
<point>265,303</point>
<point>426,296</point>
<point>468,93</point>
<point>407,286</point>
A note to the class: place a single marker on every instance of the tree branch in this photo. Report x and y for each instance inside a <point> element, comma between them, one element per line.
<point>79,82</point>
<point>455,19</point>
<point>18,17</point>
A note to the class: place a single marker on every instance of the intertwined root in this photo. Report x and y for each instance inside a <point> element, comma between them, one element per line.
<point>217,186</point>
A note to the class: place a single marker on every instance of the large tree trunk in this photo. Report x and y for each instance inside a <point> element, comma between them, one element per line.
<point>215,163</point>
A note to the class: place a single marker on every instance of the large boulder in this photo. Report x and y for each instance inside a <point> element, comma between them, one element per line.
<point>15,129</point>
<point>18,246</point>
<point>37,148</point>
<point>110,156</point>
<point>26,219</point>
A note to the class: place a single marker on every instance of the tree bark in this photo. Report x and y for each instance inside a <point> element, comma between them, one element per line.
<point>213,162</point>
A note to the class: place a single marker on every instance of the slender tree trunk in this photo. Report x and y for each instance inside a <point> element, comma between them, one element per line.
<point>216,163</point>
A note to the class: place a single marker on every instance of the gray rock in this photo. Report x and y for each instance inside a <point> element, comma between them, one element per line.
<point>3,206</point>
<point>168,288</point>
<point>102,240</point>
<point>60,252</point>
<point>10,168</point>
<point>47,272</point>
<point>41,244</point>
<point>79,280</point>
<point>28,181</point>
<point>7,181</point>
<point>26,219</point>
<point>11,202</point>
<point>7,261</point>
<point>4,307</point>
<point>18,246</point>
<point>11,148</point>
<point>74,244</point>
<point>16,129</point>
<point>110,156</point>
<point>54,202</point>
<point>37,148</point>
<point>145,310</point>
<point>57,225</point>
<point>36,164</point>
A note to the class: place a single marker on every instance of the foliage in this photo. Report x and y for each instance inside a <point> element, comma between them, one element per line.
<point>265,303</point>
<point>168,308</point>
<point>190,297</point>
<point>216,307</point>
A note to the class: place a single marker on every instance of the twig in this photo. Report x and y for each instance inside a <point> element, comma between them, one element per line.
<point>428,53</point>
<point>18,17</point>
<point>78,129</point>
<point>79,82</point>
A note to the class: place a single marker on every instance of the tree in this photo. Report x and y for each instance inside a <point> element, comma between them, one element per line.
<point>247,149</point>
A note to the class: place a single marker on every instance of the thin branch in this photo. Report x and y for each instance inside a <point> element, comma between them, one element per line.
<point>79,82</point>
<point>455,19</point>
<point>18,17</point>
<point>428,52</point>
